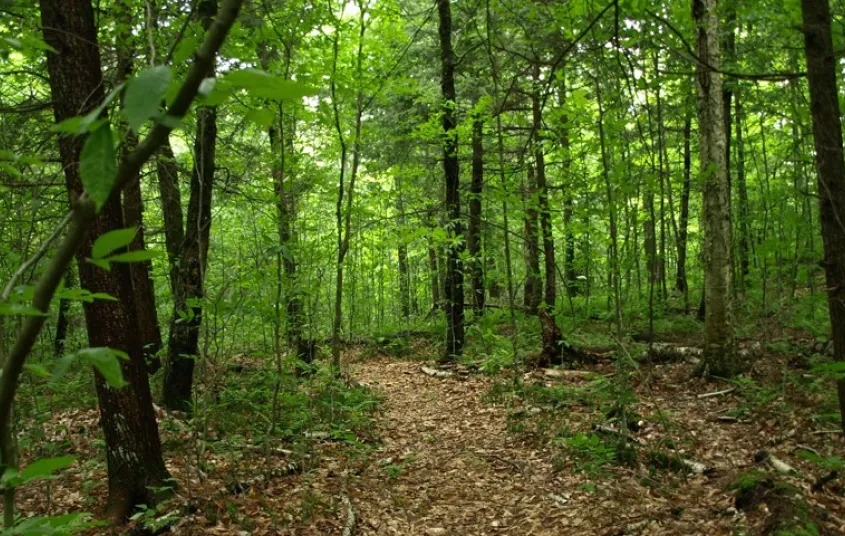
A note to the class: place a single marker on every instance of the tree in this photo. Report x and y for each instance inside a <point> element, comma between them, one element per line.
<point>454,272</point>
<point>827,133</point>
<point>133,449</point>
<point>183,343</point>
<point>720,357</point>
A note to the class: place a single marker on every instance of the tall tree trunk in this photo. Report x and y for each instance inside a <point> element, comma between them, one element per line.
<point>683,221</point>
<point>281,136</point>
<point>402,253</point>
<point>720,356</point>
<point>133,213</point>
<point>171,209</point>
<point>552,337</point>
<point>435,275</point>
<point>133,449</point>
<point>183,344</point>
<point>742,190</point>
<point>344,218</point>
<point>532,292</point>
<point>454,271</point>
<point>827,132</point>
<point>474,229</point>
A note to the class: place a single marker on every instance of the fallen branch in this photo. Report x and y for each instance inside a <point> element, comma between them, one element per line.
<point>349,528</point>
<point>776,463</point>
<point>603,429</point>
<point>716,393</point>
<point>436,373</point>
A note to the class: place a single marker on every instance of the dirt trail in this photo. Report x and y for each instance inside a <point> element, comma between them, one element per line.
<point>448,466</point>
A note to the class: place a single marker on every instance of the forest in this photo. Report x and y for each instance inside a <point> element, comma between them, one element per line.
<point>422,267</point>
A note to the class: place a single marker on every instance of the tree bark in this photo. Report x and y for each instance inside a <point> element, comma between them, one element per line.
<point>133,211</point>
<point>552,337</point>
<point>454,270</point>
<point>827,133</point>
<point>720,356</point>
<point>532,293</point>
<point>133,448</point>
<point>183,343</point>
<point>474,230</point>
<point>171,209</point>
<point>742,191</point>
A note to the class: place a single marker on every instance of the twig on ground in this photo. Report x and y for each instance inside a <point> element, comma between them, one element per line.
<point>716,393</point>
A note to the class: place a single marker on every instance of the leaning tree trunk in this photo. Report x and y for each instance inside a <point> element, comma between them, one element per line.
<point>454,271</point>
<point>133,449</point>
<point>827,132</point>
<point>183,344</point>
<point>474,229</point>
<point>720,356</point>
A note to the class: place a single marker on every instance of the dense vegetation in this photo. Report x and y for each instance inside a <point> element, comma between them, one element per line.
<point>217,204</point>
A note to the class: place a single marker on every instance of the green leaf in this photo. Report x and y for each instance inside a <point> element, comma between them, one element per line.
<point>37,370</point>
<point>267,86</point>
<point>45,467</point>
<point>19,309</point>
<point>111,241</point>
<point>61,367</point>
<point>90,122</point>
<point>98,165</point>
<point>140,255</point>
<point>261,117</point>
<point>107,363</point>
<point>144,95</point>
<point>185,49</point>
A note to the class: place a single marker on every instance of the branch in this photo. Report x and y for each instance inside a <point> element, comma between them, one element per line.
<point>773,77</point>
<point>35,258</point>
<point>84,212</point>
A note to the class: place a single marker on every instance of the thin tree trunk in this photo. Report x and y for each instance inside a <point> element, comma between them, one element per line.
<point>552,337</point>
<point>62,321</point>
<point>183,344</point>
<point>474,229</point>
<point>827,132</point>
<point>402,253</point>
<point>742,191</point>
<point>683,221</point>
<point>133,449</point>
<point>171,209</point>
<point>720,357</point>
<point>532,293</point>
<point>133,215</point>
<point>454,270</point>
<point>344,221</point>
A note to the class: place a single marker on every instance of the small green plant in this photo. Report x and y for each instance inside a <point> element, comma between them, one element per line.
<point>592,453</point>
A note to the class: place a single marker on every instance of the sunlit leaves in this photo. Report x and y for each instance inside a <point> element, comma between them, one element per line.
<point>255,82</point>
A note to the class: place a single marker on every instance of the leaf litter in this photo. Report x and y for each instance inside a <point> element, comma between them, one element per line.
<point>448,462</point>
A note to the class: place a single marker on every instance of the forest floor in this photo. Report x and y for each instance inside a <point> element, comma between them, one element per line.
<point>461,455</point>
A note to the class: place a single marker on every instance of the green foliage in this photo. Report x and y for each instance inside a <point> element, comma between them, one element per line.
<point>591,452</point>
<point>144,95</point>
<point>98,164</point>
